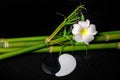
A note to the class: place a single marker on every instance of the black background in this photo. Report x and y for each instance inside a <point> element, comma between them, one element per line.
<point>38,17</point>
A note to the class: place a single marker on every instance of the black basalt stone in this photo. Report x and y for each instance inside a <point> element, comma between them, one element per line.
<point>50,64</point>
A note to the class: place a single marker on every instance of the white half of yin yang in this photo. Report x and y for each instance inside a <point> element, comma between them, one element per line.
<point>68,64</point>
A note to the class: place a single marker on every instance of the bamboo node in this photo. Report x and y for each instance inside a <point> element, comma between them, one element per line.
<point>51,49</point>
<point>6,44</point>
<point>3,44</point>
<point>119,45</point>
<point>107,37</point>
<point>47,40</point>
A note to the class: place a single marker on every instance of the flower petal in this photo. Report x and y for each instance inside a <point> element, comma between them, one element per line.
<point>76,28</point>
<point>87,39</point>
<point>84,24</point>
<point>92,30</point>
<point>78,38</point>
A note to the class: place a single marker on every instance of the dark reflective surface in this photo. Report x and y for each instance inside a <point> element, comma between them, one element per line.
<point>38,17</point>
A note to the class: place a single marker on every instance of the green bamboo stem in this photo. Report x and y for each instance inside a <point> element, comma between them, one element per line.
<point>22,50</point>
<point>69,48</point>
<point>63,24</point>
<point>29,49</point>
<point>107,37</point>
<point>41,38</point>
<point>35,38</point>
<point>19,44</point>
<point>103,37</point>
<point>23,44</point>
<point>5,50</point>
<point>110,32</point>
<point>80,48</point>
<point>56,31</point>
<point>58,41</point>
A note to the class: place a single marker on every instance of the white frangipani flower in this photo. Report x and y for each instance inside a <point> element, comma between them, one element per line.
<point>84,31</point>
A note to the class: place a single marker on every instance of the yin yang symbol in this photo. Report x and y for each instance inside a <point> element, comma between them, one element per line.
<point>66,65</point>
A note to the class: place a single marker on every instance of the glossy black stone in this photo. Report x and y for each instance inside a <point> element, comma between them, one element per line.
<point>50,64</point>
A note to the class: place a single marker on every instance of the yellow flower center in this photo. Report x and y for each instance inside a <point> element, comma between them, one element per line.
<point>84,31</point>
